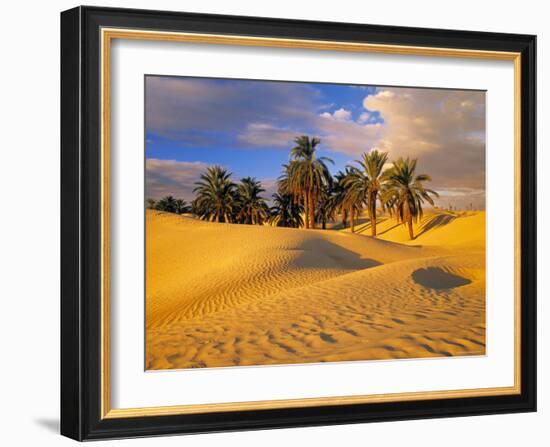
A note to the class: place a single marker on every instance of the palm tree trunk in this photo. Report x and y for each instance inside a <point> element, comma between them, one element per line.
<point>411,231</point>
<point>306,210</point>
<point>373,220</point>
<point>311,210</point>
<point>344,218</point>
<point>372,212</point>
<point>352,221</point>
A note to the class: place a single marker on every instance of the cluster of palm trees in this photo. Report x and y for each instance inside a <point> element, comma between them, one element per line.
<point>169,204</point>
<point>308,195</point>
<point>365,184</point>
<point>218,199</point>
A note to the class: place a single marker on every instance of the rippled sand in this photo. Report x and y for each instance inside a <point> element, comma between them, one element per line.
<point>227,295</point>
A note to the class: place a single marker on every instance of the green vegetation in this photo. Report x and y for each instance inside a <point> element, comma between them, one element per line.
<point>308,195</point>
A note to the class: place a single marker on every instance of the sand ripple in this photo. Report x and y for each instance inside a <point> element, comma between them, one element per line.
<point>226,295</point>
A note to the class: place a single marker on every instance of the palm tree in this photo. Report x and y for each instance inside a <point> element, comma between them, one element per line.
<point>286,212</point>
<point>151,204</point>
<point>306,175</point>
<point>216,195</point>
<point>170,205</point>
<point>252,209</point>
<point>346,201</point>
<point>366,181</point>
<point>181,207</point>
<point>338,195</point>
<point>167,203</point>
<point>326,207</point>
<point>404,188</point>
<point>352,204</point>
<point>389,202</point>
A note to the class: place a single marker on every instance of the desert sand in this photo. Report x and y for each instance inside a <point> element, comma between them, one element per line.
<point>222,295</point>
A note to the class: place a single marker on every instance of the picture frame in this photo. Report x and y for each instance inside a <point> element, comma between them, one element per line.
<point>87,34</point>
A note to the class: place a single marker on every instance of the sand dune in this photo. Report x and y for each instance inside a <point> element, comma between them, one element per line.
<point>462,230</point>
<point>225,295</point>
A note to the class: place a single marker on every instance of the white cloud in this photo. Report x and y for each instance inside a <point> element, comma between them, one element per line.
<point>444,129</point>
<point>385,94</point>
<point>461,198</point>
<point>177,178</point>
<point>267,135</point>
<point>342,114</point>
<point>184,109</point>
<point>364,117</point>
<point>339,115</point>
<point>171,177</point>
<point>348,137</point>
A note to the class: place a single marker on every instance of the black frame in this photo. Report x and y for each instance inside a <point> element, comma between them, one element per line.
<point>81,206</point>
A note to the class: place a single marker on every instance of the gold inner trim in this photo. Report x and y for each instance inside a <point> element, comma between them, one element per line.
<point>302,403</point>
<point>107,34</point>
<point>119,33</point>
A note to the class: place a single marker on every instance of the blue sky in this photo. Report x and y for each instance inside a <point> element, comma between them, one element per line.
<point>223,146</point>
<point>248,126</point>
<point>241,161</point>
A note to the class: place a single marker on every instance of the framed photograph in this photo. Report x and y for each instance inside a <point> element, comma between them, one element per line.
<point>275,223</point>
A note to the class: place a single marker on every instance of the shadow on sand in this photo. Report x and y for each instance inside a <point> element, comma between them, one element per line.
<point>437,221</point>
<point>363,224</point>
<point>320,253</point>
<point>436,278</point>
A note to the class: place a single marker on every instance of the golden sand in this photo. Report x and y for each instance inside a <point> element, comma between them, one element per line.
<point>227,295</point>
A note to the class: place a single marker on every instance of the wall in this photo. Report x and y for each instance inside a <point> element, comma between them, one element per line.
<point>29,236</point>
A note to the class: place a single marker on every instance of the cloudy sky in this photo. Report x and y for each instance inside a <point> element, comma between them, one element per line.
<point>248,127</point>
